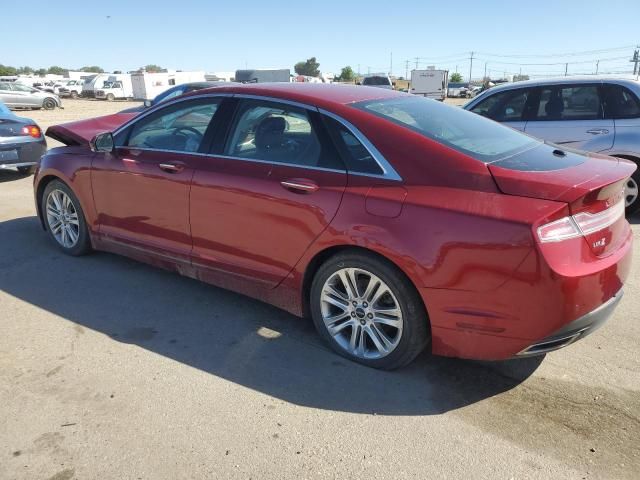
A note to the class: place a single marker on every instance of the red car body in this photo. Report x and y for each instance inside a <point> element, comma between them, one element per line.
<point>464,232</point>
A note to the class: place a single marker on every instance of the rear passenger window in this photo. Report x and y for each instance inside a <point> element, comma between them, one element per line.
<point>503,107</point>
<point>619,102</point>
<point>354,153</point>
<point>569,103</point>
<point>280,133</point>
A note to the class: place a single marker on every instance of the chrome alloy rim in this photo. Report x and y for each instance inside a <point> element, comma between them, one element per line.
<point>62,218</point>
<point>630,192</point>
<point>361,313</point>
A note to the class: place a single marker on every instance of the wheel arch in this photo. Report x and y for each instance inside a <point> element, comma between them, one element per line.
<point>323,255</point>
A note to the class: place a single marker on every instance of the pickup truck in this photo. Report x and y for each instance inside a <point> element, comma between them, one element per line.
<point>72,89</point>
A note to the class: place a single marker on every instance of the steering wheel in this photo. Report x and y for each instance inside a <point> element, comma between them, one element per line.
<point>189,129</point>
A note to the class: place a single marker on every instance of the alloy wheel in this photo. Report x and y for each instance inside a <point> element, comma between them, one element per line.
<point>361,313</point>
<point>62,218</point>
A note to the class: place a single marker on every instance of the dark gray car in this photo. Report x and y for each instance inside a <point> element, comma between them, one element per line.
<point>22,143</point>
<point>594,114</point>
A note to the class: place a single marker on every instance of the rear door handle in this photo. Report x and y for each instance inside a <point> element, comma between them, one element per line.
<point>598,131</point>
<point>171,167</point>
<point>300,185</point>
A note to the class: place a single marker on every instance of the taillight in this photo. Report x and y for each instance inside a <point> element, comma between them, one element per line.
<point>32,130</point>
<point>583,223</point>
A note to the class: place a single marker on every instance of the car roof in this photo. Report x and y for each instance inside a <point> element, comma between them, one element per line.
<point>566,80</point>
<point>317,94</point>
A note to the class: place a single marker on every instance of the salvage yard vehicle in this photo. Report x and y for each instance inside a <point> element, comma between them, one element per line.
<point>22,143</point>
<point>72,89</point>
<point>596,115</point>
<point>174,92</point>
<point>379,80</point>
<point>430,83</point>
<point>16,95</point>
<point>116,90</point>
<point>394,221</point>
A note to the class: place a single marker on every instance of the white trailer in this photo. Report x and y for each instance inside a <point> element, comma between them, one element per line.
<point>430,83</point>
<point>146,86</point>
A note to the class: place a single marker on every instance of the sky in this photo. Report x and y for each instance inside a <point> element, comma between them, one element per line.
<point>372,36</point>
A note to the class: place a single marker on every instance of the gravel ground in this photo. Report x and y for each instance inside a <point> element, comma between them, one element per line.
<point>113,369</point>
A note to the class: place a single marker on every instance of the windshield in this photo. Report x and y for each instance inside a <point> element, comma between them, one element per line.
<point>478,137</point>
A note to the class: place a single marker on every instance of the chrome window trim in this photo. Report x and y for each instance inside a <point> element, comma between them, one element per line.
<point>388,171</point>
<point>247,96</point>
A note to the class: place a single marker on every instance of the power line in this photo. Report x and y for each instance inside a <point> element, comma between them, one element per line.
<point>552,55</point>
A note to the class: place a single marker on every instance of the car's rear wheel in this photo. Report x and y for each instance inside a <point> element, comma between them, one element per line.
<point>64,219</point>
<point>110,97</point>
<point>49,104</point>
<point>368,311</point>
<point>73,94</point>
<point>27,170</point>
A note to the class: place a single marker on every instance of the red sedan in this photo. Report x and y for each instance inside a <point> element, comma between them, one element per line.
<point>394,221</point>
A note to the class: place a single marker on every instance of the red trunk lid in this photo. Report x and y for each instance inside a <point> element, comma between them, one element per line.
<point>592,185</point>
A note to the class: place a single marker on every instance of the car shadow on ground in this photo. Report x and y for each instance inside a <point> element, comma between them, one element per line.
<point>230,336</point>
<point>11,175</point>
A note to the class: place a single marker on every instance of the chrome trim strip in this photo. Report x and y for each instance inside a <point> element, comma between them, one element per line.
<point>275,100</point>
<point>388,171</point>
<point>22,164</point>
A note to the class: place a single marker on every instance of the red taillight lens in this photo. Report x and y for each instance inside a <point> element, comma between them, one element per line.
<point>583,223</point>
<point>32,130</point>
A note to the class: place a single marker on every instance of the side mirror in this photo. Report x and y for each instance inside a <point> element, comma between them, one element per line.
<point>103,142</point>
<point>147,103</point>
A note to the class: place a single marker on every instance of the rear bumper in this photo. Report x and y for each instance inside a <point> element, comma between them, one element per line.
<point>575,330</point>
<point>22,154</point>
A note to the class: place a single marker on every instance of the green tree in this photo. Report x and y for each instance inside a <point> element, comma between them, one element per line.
<point>7,70</point>
<point>55,70</point>
<point>41,72</point>
<point>309,68</point>
<point>25,70</point>
<point>455,77</point>
<point>152,68</point>
<point>92,69</point>
<point>347,74</point>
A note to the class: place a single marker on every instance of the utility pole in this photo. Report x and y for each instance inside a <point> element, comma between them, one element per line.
<point>406,70</point>
<point>391,65</point>
<point>417,58</point>
<point>470,67</point>
<point>597,66</point>
<point>566,69</point>
<point>635,60</point>
<point>485,71</point>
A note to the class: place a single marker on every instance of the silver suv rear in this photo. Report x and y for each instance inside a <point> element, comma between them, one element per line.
<point>593,114</point>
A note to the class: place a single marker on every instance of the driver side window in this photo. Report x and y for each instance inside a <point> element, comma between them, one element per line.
<point>179,127</point>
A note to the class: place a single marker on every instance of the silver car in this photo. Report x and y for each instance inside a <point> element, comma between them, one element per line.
<point>593,114</point>
<point>16,95</point>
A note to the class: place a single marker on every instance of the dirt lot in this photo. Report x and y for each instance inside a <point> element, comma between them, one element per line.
<point>114,370</point>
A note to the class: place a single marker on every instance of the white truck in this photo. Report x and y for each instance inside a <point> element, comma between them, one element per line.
<point>430,83</point>
<point>117,88</point>
<point>147,86</point>
<point>96,83</point>
<point>73,89</point>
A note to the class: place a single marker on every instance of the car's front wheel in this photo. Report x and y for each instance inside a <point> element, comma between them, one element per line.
<point>64,219</point>
<point>49,104</point>
<point>368,311</point>
<point>632,193</point>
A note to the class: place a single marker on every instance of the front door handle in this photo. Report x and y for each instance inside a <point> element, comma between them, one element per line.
<point>171,167</point>
<point>598,131</point>
<point>300,185</point>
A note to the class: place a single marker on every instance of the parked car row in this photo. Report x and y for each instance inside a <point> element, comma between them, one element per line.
<point>397,223</point>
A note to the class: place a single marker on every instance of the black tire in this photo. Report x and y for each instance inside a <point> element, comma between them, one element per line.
<point>73,94</point>
<point>110,97</point>
<point>415,334</point>
<point>27,170</point>
<point>83,244</point>
<point>49,104</point>
<point>635,205</point>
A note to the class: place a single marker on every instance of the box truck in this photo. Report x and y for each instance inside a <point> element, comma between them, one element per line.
<point>430,83</point>
<point>91,86</point>
<point>147,86</point>
<point>117,88</point>
<point>262,76</point>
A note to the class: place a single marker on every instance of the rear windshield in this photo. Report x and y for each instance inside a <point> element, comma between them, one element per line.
<point>376,81</point>
<point>476,136</point>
